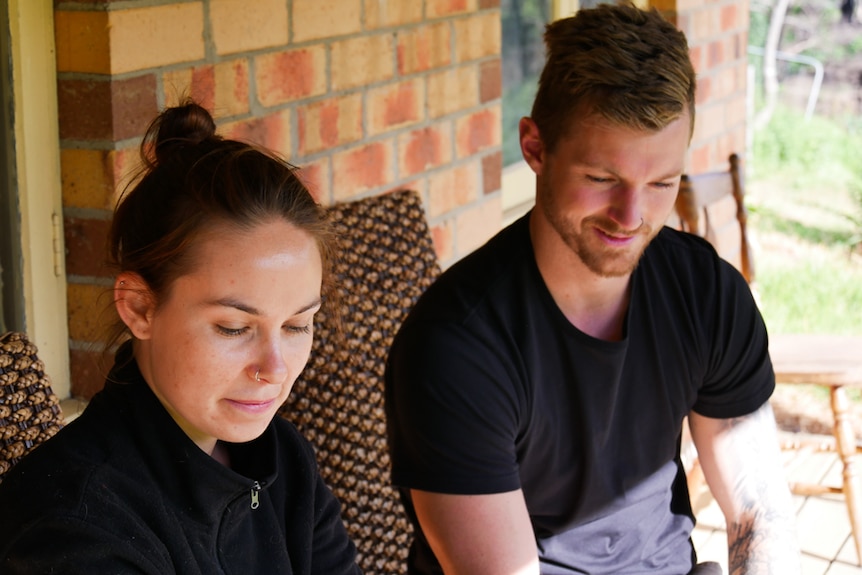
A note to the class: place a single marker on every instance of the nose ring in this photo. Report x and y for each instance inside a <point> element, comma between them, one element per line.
<point>257,375</point>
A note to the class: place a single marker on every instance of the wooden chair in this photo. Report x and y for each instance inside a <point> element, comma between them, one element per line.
<point>712,206</point>
<point>385,260</point>
<point>29,410</point>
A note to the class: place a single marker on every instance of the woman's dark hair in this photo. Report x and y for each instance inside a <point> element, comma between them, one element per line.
<point>192,180</point>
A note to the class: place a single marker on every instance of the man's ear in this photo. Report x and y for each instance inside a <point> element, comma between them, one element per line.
<point>135,303</point>
<point>532,147</point>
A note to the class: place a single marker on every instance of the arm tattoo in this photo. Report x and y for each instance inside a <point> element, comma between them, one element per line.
<point>763,534</point>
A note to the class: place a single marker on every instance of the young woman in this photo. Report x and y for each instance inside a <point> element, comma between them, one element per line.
<point>179,465</point>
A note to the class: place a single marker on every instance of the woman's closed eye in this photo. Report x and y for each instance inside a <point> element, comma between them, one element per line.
<point>299,328</point>
<point>230,331</point>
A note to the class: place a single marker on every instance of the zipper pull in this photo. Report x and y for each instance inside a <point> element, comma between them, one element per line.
<point>255,495</point>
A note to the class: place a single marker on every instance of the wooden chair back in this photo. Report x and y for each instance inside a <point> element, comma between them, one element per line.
<point>712,205</point>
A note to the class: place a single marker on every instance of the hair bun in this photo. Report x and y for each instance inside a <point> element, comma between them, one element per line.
<point>180,126</point>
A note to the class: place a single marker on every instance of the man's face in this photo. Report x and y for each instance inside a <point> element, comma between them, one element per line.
<point>606,190</point>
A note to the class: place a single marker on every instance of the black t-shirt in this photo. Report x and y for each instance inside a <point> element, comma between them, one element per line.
<point>491,389</point>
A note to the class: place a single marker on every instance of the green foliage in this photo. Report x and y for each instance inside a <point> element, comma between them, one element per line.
<point>808,153</point>
<point>805,200</point>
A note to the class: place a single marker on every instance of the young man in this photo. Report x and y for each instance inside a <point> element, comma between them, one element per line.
<point>537,392</point>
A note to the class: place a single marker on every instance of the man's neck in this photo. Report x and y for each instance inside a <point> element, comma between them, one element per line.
<point>594,304</point>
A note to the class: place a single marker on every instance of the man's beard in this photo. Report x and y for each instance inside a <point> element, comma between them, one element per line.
<point>601,259</point>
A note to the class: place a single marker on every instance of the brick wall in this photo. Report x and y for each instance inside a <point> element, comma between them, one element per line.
<point>367,96</point>
<point>717,33</point>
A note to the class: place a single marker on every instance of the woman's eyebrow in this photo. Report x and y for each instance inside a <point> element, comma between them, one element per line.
<point>251,310</point>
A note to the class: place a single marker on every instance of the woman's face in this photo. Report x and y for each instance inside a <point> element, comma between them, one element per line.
<point>247,305</point>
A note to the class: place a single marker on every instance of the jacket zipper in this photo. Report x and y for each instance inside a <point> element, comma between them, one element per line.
<point>255,495</point>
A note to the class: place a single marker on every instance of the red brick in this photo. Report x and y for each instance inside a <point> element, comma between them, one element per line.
<point>729,17</point>
<point>87,372</point>
<point>423,149</point>
<point>438,8</point>
<point>271,131</point>
<point>360,169</point>
<point>699,160</point>
<point>286,76</point>
<point>478,131</point>
<point>424,48</point>
<point>716,54</point>
<point>490,80</point>
<point>315,176</point>
<point>492,172</point>
<point>485,4</point>
<point>329,123</point>
<point>395,105</point>
<point>85,246</point>
<point>221,88</point>
<point>106,110</point>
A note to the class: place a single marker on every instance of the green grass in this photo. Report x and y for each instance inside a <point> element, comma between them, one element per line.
<point>806,219</point>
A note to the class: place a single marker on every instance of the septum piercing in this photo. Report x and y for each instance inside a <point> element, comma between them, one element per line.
<point>257,375</point>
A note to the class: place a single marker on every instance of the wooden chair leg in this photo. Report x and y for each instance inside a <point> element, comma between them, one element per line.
<point>846,444</point>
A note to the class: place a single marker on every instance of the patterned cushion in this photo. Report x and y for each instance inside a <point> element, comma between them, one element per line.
<point>29,410</point>
<point>385,260</point>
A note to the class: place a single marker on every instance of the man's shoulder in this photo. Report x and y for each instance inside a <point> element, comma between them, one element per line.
<point>481,276</point>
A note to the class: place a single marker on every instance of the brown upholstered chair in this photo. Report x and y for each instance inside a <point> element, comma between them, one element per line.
<point>385,260</point>
<point>29,410</point>
<point>712,205</point>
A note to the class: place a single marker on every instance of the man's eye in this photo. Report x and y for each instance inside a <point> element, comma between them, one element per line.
<point>598,179</point>
<point>231,332</point>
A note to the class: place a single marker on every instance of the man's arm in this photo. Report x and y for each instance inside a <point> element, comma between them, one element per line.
<point>478,534</point>
<point>742,465</point>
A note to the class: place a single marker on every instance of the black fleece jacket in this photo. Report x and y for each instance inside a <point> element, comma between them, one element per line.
<point>122,489</point>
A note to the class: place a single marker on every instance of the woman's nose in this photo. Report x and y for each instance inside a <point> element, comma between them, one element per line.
<point>272,366</point>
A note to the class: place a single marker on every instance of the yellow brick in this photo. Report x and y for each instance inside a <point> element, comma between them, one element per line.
<point>91,311</point>
<point>82,42</point>
<point>476,225</point>
<point>240,25</point>
<point>94,178</point>
<point>477,36</point>
<point>441,8</point>
<point>383,13</point>
<point>325,18</point>
<point>155,36</point>
<point>453,90</point>
<point>362,61</point>
<point>453,188</point>
<point>424,47</point>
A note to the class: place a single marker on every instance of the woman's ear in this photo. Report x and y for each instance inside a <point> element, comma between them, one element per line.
<point>532,147</point>
<point>135,303</point>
